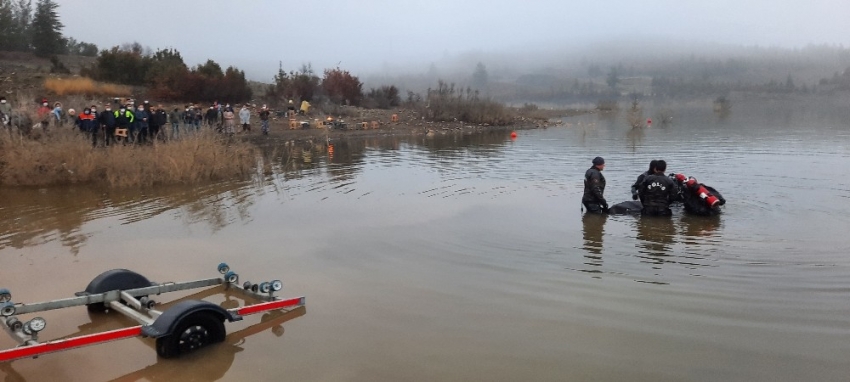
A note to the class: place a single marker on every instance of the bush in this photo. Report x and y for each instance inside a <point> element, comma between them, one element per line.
<point>635,116</point>
<point>301,85</point>
<point>448,104</point>
<point>120,66</point>
<point>57,67</point>
<point>384,97</point>
<point>342,88</point>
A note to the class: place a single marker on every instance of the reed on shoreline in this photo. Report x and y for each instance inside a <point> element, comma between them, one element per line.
<point>67,157</point>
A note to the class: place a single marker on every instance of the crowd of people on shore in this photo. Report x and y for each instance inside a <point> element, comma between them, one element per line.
<point>129,123</point>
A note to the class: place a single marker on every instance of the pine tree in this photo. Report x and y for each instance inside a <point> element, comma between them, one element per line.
<point>15,22</point>
<point>479,77</point>
<point>22,36</point>
<point>7,22</point>
<point>47,29</point>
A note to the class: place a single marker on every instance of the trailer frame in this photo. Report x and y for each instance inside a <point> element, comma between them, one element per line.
<point>205,318</point>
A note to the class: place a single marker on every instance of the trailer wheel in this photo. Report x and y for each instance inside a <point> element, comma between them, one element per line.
<point>115,279</point>
<point>195,331</point>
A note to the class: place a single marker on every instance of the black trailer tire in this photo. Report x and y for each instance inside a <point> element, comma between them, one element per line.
<point>193,332</point>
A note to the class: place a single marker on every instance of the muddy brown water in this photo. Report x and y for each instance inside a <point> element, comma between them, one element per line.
<point>464,258</point>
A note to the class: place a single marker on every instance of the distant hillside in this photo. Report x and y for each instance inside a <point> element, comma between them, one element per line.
<point>646,68</point>
<point>21,71</point>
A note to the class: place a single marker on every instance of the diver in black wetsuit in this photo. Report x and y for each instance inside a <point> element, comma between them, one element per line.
<point>594,188</point>
<point>636,187</point>
<point>658,191</point>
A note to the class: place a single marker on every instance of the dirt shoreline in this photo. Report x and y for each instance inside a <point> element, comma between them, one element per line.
<point>409,123</point>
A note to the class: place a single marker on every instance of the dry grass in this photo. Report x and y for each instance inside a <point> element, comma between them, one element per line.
<point>86,86</point>
<point>446,103</point>
<point>66,157</point>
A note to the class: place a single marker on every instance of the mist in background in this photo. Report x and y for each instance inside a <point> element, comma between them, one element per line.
<point>391,37</point>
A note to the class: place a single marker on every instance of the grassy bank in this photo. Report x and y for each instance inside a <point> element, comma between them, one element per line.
<point>67,157</point>
<point>86,86</point>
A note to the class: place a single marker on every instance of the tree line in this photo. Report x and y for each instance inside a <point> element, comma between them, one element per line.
<point>337,86</point>
<point>38,29</point>
<point>166,75</point>
<point>24,28</point>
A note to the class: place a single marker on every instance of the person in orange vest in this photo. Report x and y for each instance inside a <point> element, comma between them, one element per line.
<point>88,124</point>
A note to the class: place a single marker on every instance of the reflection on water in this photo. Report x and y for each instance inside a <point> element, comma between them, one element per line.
<point>421,254</point>
<point>593,230</point>
<point>636,136</point>
<point>699,229</point>
<point>31,217</point>
<point>655,236</point>
<point>212,363</point>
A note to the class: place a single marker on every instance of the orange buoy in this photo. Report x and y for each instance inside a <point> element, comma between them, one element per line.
<point>513,134</point>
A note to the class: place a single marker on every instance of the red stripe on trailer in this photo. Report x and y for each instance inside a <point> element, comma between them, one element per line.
<point>272,305</point>
<point>69,343</point>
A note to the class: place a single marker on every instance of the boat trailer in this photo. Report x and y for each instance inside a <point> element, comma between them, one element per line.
<point>182,328</point>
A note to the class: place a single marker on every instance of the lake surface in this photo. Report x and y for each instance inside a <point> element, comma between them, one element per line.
<point>467,258</point>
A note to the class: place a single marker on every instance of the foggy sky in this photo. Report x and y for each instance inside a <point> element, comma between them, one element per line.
<point>368,35</point>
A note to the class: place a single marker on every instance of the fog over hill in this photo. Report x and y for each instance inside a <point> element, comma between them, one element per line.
<point>391,37</point>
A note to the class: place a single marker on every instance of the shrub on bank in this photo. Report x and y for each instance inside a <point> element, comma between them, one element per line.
<point>449,104</point>
<point>67,157</point>
<point>342,88</point>
<point>384,97</point>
